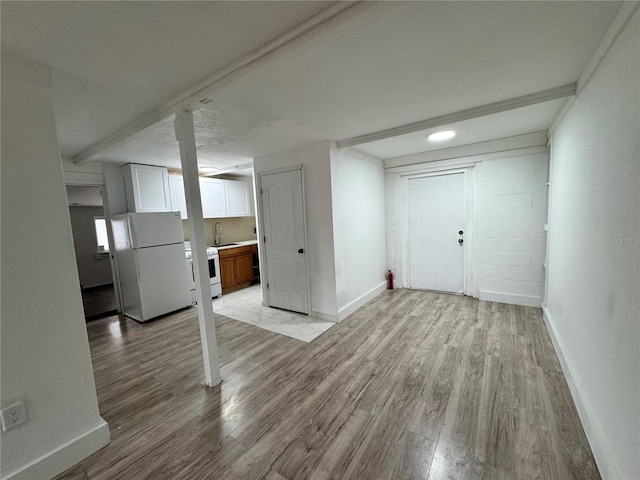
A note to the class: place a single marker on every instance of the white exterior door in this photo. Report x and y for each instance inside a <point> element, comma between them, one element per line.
<point>285,248</point>
<point>436,211</point>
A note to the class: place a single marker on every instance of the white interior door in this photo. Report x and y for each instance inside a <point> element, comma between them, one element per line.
<point>436,208</point>
<point>285,248</point>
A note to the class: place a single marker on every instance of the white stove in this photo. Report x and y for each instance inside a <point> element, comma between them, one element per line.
<point>214,271</point>
<point>211,251</point>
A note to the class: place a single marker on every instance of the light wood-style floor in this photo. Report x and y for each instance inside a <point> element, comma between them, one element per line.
<point>413,385</point>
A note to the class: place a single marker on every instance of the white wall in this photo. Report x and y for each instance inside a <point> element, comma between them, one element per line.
<point>93,270</point>
<point>45,350</point>
<point>116,197</point>
<point>594,255</point>
<point>357,187</point>
<point>317,172</point>
<point>511,206</point>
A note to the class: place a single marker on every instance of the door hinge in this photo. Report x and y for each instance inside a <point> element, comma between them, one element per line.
<point>261,191</point>
<point>264,239</point>
<point>267,286</point>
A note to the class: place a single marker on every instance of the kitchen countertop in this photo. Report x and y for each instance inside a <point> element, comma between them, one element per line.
<point>239,244</point>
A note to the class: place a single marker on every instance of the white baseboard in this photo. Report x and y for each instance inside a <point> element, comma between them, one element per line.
<point>65,456</point>
<point>509,298</point>
<point>324,316</point>
<point>360,301</point>
<point>599,446</point>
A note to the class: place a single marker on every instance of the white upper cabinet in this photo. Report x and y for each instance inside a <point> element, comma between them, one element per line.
<point>220,198</point>
<point>238,198</point>
<point>147,188</point>
<point>178,198</point>
<point>212,191</point>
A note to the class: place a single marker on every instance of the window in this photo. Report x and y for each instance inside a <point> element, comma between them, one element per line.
<point>101,234</point>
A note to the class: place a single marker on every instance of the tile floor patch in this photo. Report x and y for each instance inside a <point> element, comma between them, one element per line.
<point>246,306</point>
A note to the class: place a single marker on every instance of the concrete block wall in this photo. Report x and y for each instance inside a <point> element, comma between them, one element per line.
<point>511,210</point>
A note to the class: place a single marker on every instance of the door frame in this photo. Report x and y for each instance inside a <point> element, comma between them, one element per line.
<point>262,252</point>
<point>403,219</point>
<point>115,275</point>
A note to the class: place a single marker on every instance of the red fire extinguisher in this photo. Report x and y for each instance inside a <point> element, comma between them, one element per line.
<point>389,280</point>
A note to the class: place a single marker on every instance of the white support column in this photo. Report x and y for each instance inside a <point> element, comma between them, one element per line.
<point>186,139</point>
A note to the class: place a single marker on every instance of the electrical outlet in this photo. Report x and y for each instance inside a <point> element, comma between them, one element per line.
<point>13,415</point>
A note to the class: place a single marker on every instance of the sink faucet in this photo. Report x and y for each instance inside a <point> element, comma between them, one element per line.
<point>218,236</point>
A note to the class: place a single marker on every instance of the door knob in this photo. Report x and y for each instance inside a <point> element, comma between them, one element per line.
<point>301,250</point>
<point>460,241</point>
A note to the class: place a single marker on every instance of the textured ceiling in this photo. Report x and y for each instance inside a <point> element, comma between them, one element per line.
<point>115,61</point>
<point>389,64</point>
<point>225,136</point>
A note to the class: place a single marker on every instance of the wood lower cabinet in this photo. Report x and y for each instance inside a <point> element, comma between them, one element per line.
<point>245,269</point>
<point>228,272</point>
<point>236,266</point>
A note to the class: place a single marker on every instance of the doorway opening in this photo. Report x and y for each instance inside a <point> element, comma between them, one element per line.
<point>91,246</point>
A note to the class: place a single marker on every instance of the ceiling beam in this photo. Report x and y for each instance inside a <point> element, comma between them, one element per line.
<point>624,15</point>
<point>231,169</point>
<point>503,106</point>
<point>190,99</point>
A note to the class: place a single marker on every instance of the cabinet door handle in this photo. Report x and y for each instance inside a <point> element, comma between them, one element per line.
<point>301,250</point>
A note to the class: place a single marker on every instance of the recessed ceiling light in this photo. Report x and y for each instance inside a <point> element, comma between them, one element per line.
<point>443,135</point>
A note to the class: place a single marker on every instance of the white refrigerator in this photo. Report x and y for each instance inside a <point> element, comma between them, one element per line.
<point>152,267</point>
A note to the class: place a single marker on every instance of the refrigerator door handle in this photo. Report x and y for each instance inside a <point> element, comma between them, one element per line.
<point>137,263</point>
<point>133,241</point>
